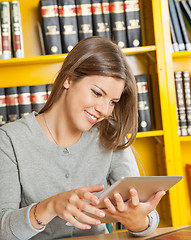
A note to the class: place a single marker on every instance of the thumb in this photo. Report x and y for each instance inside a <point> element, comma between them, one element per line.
<point>156,199</point>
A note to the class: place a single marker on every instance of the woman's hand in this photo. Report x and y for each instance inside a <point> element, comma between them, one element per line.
<point>133,213</point>
<point>71,206</point>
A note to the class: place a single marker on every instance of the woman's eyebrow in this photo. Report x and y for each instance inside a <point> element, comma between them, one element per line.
<point>106,93</point>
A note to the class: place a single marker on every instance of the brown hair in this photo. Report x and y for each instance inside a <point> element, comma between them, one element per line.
<point>100,56</point>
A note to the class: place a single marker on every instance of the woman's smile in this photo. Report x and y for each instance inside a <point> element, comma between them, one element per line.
<point>91,118</point>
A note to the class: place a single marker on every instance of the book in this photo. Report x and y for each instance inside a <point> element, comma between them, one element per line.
<point>176,25</point>
<point>173,37</point>
<point>3,111</point>
<point>181,110</point>
<point>182,234</point>
<point>5,30</point>
<point>12,104</point>
<point>68,24</point>
<point>187,98</point>
<point>0,43</point>
<point>182,25</point>
<point>100,28</point>
<point>118,23</point>
<point>24,100</point>
<point>185,8</point>
<point>41,38</point>
<point>38,96</point>
<point>186,11</point>
<point>84,18</point>
<point>144,114</point>
<point>16,25</point>
<point>133,23</point>
<point>106,17</point>
<point>189,3</point>
<point>51,26</point>
<point>48,89</point>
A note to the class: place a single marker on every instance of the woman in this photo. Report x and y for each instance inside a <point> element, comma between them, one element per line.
<point>54,163</point>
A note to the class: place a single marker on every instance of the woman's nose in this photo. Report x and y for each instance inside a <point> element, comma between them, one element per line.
<point>103,108</point>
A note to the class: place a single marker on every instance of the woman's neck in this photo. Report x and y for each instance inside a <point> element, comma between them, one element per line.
<point>55,127</point>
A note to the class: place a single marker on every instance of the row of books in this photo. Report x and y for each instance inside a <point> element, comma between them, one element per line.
<point>180,24</point>
<point>11,38</point>
<point>183,97</point>
<point>16,102</point>
<point>66,22</point>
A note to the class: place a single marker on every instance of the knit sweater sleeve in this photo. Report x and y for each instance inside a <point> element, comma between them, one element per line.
<point>14,222</point>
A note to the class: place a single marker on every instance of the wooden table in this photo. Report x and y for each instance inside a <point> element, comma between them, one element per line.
<point>122,235</point>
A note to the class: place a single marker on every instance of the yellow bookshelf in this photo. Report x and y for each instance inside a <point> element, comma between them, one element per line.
<point>161,151</point>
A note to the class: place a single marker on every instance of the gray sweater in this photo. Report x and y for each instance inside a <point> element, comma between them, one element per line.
<point>33,168</point>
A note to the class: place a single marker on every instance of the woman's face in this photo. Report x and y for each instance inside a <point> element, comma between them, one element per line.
<point>90,100</point>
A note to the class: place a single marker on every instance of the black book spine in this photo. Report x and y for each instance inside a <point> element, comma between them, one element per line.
<point>68,24</point>
<point>24,100</point>
<point>48,89</point>
<point>51,26</point>
<point>186,10</point>
<point>84,18</point>
<point>182,25</point>
<point>118,23</point>
<point>187,98</point>
<point>144,115</point>
<point>99,26</point>
<point>38,97</point>
<point>3,110</point>
<point>189,3</point>
<point>106,17</point>
<point>12,103</point>
<point>133,22</point>
<point>180,103</point>
<point>173,37</point>
<point>176,25</point>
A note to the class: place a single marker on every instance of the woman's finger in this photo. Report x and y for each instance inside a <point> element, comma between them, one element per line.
<point>121,206</point>
<point>86,207</point>
<point>74,222</point>
<point>134,200</point>
<point>83,217</point>
<point>86,193</point>
<point>156,199</point>
<point>111,208</point>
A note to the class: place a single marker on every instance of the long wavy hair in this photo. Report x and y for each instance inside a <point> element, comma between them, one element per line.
<point>100,56</point>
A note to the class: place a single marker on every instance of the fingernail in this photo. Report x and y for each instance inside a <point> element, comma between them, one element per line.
<point>96,201</point>
<point>88,227</point>
<point>102,214</point>
<point>98,222</point>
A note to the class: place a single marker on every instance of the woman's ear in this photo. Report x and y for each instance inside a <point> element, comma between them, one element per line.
<point>67,83</point>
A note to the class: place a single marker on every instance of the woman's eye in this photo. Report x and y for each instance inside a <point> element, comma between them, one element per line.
<point>113,103</point>
<point>96,93</point>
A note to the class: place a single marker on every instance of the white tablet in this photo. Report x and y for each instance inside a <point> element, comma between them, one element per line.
<point>146,187</point>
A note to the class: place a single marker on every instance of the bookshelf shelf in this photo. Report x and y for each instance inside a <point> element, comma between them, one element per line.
<point>185,139</point>
<point>181,54</point>
<point>33,60</point>
<point>150,134</point>
<point>60,57</point>
<point>138,50</point>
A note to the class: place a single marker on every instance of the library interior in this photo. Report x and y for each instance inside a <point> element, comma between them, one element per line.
<point>154,36</point>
